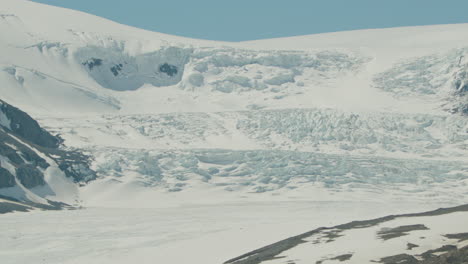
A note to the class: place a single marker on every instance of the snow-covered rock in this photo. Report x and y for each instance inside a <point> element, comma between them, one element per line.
<point>33,170</point>
<point>431,237</point>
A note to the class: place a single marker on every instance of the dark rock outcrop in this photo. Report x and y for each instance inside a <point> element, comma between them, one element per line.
<point>24,126</point>
<point>21,154</point>
<point>461,236</point>
<point>410,246</point>
<point>28,148</point>
<point>434,252</point>
<point>30,176</point>
<point>387,234</point>
<point>456,256</point>
<point>116,69</point>
<point>168,69</point>
<point>399,259</point>
<point>6,207</point>
<point>93,62</point>
<point>6,179</point>
<point>274,251</point>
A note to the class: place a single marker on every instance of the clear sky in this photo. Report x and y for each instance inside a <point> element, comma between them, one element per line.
<point>237,20</point>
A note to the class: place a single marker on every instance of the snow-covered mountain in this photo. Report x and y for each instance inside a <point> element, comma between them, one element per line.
<point>370,118</point>
<point>100,64</point>
<point>34,172</point>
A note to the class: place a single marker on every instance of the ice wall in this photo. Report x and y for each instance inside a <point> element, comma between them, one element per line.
<point>113,68</point>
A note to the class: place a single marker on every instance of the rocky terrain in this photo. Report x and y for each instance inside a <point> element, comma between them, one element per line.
<point>32,161</point>
<point>395,239</point>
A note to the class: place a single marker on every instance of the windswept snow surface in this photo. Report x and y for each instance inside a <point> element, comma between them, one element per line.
<point>197,142</point>
<point>189,233</point>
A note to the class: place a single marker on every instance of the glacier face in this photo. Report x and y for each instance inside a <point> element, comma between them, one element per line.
<point>313,130</point>
<point>276,171</point>
<point>223,69</point>
<point>280,152</point>
<point>113,68</point>
<point>440,75</point>
<point>327,111</point>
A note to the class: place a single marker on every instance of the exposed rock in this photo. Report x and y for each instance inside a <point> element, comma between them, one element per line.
<point>6,178</point>
<point>329,236</point>
<point>410,246</point>
<point>342,258</point>
<point>387,234</point>
<point>399,259</point>
<point>116,69</point>
<point>430,253</point>
<point>26,127</point>
<point>30,176</point>
<point>26,150</point>
<point>21,155</point>
<point>75,165</point>
<point>93,62</point>
<point>168,69</point>
<point>274,250</point>
<point>458,256</point>
<point>6,207</point>
<point>461,236</point>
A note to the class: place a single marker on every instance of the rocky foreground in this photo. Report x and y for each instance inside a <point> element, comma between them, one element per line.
<point>439,236</point>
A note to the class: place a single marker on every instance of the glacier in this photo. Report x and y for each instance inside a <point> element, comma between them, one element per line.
<point>215,140</point>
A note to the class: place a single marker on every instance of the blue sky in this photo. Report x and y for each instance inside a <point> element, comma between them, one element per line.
<point>237,20</point>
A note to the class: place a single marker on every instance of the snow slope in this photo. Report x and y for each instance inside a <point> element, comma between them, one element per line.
<point>410,238</point>
<point>183,234</point>
<point>74,55</point>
